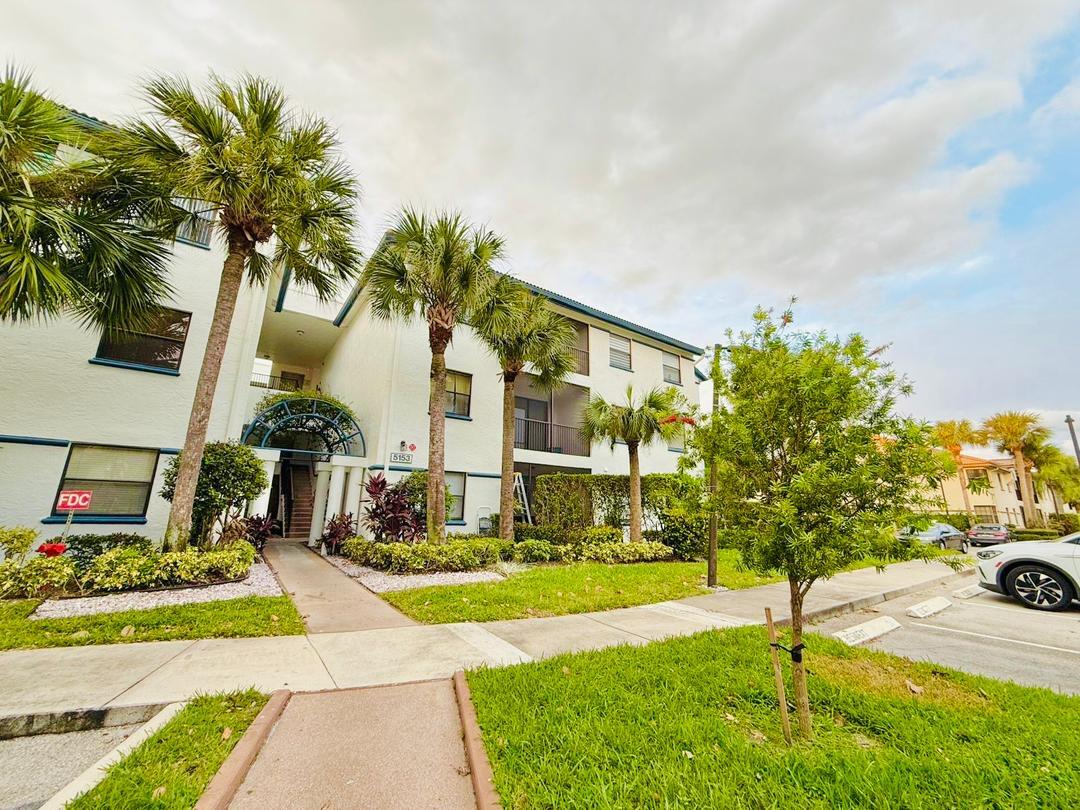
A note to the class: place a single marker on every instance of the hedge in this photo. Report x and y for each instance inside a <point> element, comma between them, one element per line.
<point>1036,534</point>
<point>85,548</point>
<point>579,501</point>
<point>462,553</point>
<point>129,568</point>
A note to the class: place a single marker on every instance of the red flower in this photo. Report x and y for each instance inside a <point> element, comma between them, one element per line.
<point>52,549</point>
<point>678,417</point>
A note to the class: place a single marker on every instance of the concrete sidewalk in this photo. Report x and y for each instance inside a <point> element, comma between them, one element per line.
<point>328,600</point>
<point>401,747</point>
<point>62,679</point>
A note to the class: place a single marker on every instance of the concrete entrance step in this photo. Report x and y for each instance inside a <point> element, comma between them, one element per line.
<point>376,747</point>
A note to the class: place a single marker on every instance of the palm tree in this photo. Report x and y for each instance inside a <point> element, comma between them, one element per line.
<point>238,152</point>
<point>77,232</point>
<point>520,329</point>
<point>637,423</point>
<point>953,435</point>
<point>1014,432</point>
<point>439,269</point>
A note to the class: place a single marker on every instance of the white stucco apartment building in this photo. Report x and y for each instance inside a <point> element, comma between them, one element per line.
<point>82,413</point>
<point>999,501</point>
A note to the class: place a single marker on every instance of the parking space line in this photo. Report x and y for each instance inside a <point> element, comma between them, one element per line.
<point>996,638</point>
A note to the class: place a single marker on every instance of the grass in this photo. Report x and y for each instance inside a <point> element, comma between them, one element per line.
<point>692,722</point>
<point>229,618</point>
<point>173,767</point>
<point>556,590</point>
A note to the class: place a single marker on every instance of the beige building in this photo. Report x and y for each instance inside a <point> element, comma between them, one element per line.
<point>1000,502</point>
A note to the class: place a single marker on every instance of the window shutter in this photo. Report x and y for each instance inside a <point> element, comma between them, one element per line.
<point>619,351</point>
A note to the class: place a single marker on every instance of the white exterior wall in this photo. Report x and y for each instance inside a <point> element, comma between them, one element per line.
<point>53,392</point>
<point>1001,496</point>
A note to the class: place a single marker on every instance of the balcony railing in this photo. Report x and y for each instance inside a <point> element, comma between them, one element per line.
<point>533,434</point>
<point>275,383</point>
<point>581,358</point>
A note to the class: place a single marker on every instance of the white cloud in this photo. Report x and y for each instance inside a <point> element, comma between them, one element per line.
<point>1061,110</point>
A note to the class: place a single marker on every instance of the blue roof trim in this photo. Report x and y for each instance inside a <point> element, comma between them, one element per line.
<point>348,305</point>
<point>701,375</point>
<point>286,277</point>
<point>585,309</point>
<point>37,440</point>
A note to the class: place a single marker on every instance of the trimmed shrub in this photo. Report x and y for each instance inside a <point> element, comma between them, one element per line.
<point>624,552</point>
<point>38,576</point>
<point>687,534</point>
<point>549,534</point>
<point>595,535</point>
<point>128,568</point>
<point>461,553</point>
<point>1036,534</point>
<point>579,501</point>
<point>17,541</point>
<point>1065,523</point>
<point>539,551</point>
<point>85,548</point>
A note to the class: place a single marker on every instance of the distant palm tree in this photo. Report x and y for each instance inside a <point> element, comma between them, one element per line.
<point>1013,432</point>
<point>520,329</point>
<point>637,423</point>
<point>952,435</point>
<point>238,152</point>
<point>77,232</point>
<point>438,269</point>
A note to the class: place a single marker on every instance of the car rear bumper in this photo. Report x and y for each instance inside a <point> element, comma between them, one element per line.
<point>991,586</point>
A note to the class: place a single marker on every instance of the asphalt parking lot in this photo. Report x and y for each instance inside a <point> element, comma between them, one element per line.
<point>988,635</point>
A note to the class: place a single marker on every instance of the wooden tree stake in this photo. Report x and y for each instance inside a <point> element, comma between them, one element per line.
<point>778,676</point>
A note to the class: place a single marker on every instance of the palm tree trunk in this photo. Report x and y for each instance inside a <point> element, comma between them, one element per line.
<point>960,474</point>
<point>436,491</point>
<point>232,274</point>
<point>506,482</point>
<point>1032,519</point>
<point>635,492</point>
<point>798,668</point>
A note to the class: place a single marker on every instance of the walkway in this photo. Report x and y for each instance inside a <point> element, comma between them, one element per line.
<point>401,747</point>
<point>329,601</point>
<point>62,679</point>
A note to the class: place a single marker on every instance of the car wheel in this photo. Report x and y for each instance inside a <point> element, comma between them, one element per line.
<point>964,546</point>
<point>942,544</point>
<point>1040,588</point>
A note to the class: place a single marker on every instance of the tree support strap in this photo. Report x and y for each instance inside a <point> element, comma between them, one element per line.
<point>795,652</point>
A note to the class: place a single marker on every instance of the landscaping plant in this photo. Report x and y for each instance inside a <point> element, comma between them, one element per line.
<point>437,269</point>
<point>389,514</point>
<point>520,329</point>
<point>818,469</point>
<point>952,435</point>
<point>22,575</point>
<point>85,548</point>
<point>267,176</point>
<point>230,476</point>
<point>338,529</point>
<point>1016,433</point>
<point>258,529</point>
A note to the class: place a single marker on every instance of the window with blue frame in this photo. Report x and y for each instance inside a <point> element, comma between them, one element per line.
<point>455,483</point>
<point>120,478</point>
<point>458,393</point>
<point>158,344</point>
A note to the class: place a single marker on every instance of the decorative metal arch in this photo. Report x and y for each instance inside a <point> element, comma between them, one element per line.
<point>335,427</point>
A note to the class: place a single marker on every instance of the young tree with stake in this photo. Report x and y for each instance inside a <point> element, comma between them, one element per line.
<point>816,468</point>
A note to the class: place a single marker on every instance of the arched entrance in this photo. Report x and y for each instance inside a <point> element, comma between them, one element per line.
<point>313,435</point>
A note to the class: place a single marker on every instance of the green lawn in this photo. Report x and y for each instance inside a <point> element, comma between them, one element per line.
<point>173,768</point>
<point>250,616</point>
<point>692,722</point>
<point>556,590</point>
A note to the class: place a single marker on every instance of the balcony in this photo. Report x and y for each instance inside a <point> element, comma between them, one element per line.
<point>275,383</point>
<point>547,437</point>
<point>581,360</point>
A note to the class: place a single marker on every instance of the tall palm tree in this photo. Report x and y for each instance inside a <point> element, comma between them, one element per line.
<point>521,329</point>
<point>636,422</point>
<point>952,435</point>
<point>1013,432</point>
<point>438,269</point>
<point>77,231</point>
<point>238,152</point>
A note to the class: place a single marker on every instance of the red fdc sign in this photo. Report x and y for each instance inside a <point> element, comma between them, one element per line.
<point>74,500</point>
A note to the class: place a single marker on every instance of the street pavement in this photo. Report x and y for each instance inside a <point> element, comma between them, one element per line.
<point>988,634</point>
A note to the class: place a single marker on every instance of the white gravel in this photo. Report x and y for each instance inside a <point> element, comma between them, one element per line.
<point>381,582</point>
<point>260,581</point>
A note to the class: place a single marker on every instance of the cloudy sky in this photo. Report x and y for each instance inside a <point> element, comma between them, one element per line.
<point>908,170</point>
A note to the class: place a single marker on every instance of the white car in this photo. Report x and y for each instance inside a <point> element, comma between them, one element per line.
<point>1044,576</point>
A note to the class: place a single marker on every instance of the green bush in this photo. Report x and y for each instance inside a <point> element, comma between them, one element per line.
<point>17,542</point>
<point>539,551</point>
<point>579,501</point>
<point>85,548</point>
<point>530,531</point>
<point>38,576</point>
<point>956,519</point>
<point>686,533</point>
<point>595,535</point>
<point>624,552</point>
<point>129,568</point>
<point>1065,523</point>
<point>460,553</point>
<point>1036,534</point>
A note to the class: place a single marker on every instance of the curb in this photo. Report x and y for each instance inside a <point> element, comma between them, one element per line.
<point>28,725</point>
<point>877,598</point>
<point>230,776</point>
<point>483,782</point>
